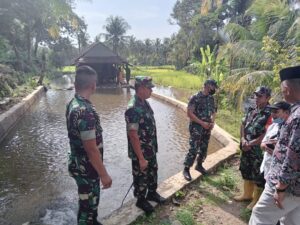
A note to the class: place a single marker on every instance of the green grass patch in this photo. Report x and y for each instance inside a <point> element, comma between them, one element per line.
<point>230,120</point>
<point>170,77</point>
<point>150,219</point>
<point>185,217</point>
<point>245,214</point>
<point>180,194</point>
<point>226,179</point>
<point>225,183</point>
<point>194,206</point>
<point>69,69</point>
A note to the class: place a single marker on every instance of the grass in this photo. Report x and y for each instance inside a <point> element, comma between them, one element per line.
<point>227,118</point>
<point>185,217</point>
<point>67,69</point>
<point>230,120</point>
<point>199,200</point>
<point>225,183</point>
<point>245,214</point>
<point>168,76</point>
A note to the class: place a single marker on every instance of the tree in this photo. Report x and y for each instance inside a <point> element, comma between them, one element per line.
<point>116,28</point>
<point>30,24</point>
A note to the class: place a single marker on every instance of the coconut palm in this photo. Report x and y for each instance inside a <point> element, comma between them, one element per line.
<point>272,18</point>
<point>256,53</point>
<point>116,28</point>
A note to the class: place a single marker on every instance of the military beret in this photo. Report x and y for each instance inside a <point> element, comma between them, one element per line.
<point>144,81</point>
<point>290,73</point>
<point>263,90</point>
<point>211,82</point>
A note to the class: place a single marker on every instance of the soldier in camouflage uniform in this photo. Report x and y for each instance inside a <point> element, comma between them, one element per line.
<point>85,158</point>
<point>201,111</point>
<point>253,131</point>
<point>142,144</point>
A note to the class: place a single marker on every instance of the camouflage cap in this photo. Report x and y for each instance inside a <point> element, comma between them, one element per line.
<point>144,81</point>
<point>263,90</point>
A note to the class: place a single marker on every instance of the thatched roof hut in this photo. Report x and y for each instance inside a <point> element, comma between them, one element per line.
<point>102,59</point>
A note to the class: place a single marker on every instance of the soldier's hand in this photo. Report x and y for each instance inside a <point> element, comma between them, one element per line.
<point>211,126</point>
<point>106,181</point>
<point>206,125</point>
<point>243,143</point>
<point>143,164</point>
<point>278,199</point>
<point>269,150</point>
<point>272,141</point>
<point>246,146</point>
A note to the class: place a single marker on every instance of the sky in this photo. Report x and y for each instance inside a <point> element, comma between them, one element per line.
<point>147,18</point>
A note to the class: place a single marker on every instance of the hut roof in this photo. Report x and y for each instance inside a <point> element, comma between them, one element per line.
<point>98,53</point>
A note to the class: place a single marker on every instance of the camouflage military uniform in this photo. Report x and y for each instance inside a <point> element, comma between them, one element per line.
<point>83,123</point>
<point>255,123</point>
<point>203,107</point>
<point>140,116</point>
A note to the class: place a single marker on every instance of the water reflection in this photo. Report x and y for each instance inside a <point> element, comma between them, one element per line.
<point>34,183</point>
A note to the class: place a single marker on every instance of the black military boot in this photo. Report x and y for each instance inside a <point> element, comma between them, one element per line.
<point>200,168</point>
<point>186,173</point>
<point>143,204</point>
<point>154,196</point>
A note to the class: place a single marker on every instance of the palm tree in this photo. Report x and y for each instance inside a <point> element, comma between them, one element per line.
<point>116,28</point>
<point>256,53</point>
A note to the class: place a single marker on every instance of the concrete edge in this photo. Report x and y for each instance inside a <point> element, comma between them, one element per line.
<point>129,212</point>
<point>9,118</point>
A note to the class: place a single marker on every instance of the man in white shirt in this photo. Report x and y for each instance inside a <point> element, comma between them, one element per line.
<point>280,111</point>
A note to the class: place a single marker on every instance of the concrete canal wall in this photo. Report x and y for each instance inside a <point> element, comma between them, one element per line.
<point>9,118</point>
<point>129,212</point>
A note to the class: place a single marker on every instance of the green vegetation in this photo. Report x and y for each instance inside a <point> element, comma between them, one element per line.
<point>35,41</point>
<point>179,194</point>
<point>228,117</point>
<point>245,214</point>
<point>185,217</point>
<point>230,120</point>
<point>68,69</point>
<point>212,193</point>
<point>168,76</point>
<point>258,38</point>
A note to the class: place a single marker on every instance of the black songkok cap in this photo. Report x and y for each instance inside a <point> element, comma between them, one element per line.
<point>280,105</point>
<point>290,73</point>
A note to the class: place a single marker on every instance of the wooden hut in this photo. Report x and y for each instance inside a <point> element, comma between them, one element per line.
<point>101,59</point>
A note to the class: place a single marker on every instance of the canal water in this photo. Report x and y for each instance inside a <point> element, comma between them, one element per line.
<point>34,183</point>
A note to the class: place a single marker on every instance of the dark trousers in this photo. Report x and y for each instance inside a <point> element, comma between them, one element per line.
<point>198,146</point>
<point>89,195</point>
<point>250,166</point>
<point>146,180</point>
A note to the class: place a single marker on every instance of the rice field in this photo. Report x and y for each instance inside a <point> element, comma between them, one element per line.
<point>168,76</point>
